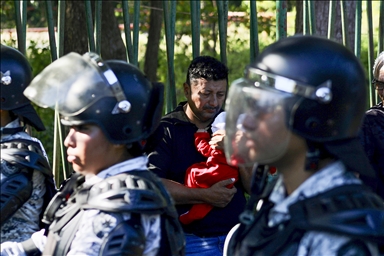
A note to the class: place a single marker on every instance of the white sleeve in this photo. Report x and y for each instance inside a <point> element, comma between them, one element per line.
<point>39,239</point>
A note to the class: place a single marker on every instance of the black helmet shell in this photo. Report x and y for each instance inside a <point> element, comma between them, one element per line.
<point>145,98</point>
<point>16,75</point>
<point>312,61</point>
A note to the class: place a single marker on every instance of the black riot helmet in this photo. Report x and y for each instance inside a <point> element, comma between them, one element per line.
<point>112,94</point>
<point>16,74</point>
<point>316,85</point>
<point>330,82</point>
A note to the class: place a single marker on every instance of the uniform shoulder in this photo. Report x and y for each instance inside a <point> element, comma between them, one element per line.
<point>125,192</point>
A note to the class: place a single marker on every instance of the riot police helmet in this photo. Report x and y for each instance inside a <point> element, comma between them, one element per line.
<point>313,86</point>
<point>112,94</point>
<point>16,74</point>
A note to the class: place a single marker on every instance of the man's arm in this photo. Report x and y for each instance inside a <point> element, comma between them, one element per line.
<point>218,195</point>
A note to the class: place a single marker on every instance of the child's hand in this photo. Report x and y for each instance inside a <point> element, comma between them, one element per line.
<point>217,140</point>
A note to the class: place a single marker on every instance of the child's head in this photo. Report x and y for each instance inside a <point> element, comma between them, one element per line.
<point>219,122</point>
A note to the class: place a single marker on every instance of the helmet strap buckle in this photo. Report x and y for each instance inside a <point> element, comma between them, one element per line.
<point>312,157</point>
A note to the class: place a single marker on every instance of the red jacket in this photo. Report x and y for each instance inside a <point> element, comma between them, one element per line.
<point>215,169</point>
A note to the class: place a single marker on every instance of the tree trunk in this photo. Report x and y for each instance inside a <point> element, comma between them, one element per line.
<point>322,16</point>
<point>154,34</point>
<point>75,30</point>
<point>299,17</point>
<point>112,45</point>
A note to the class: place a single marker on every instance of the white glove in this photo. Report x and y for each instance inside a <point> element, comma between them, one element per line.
<point>12,249</point>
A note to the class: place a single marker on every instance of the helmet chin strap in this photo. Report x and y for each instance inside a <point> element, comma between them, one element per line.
<point>312,157</point>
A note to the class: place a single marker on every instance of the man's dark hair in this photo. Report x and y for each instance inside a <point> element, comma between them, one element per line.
<point>208,68</point>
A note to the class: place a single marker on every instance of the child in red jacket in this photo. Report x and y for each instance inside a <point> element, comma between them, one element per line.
<point>205,174</point>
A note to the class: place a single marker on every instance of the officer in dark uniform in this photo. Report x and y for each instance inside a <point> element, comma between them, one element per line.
<point>26,177</point>
<point>113,205</point>
<point>299,108</point>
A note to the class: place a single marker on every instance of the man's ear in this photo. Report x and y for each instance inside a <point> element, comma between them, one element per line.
<point>187,89</point>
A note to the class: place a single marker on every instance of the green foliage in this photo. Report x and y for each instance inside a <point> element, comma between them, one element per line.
<point>35,13</point>
<point>7,15</point>
<point>39,56</point>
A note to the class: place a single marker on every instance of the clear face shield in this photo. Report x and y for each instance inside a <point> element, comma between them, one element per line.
<point>255,125</point>
<point>259,110</point>
<point>74,82</point>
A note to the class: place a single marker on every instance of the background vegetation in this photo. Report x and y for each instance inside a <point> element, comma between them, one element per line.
<point>238,53</point>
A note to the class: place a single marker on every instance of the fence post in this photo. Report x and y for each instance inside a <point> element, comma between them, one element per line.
<point>98,16</point>
<point>370,53</point>
<point>222,8</point>
<point>254,33</point>
<point>358,29</point>
<point>51,30</point>
<point>343,10</point>
<point>281,20</point>
<point>331,19</point>
<point>21,24</point>
<point>89,21</point>
<point>195,26</point>
<point>381,27</point>
<point>169,22</point>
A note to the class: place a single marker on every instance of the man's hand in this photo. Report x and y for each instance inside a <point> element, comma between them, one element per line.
<point>219,195</point>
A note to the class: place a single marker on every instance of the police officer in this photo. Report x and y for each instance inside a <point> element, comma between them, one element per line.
<point>113,205</point>
<point>26,178</point>
<point>299,108</point>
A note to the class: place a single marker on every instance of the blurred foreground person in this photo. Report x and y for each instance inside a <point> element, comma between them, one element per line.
<point>299,108</point>
<point>113,205</point>
<point>27,183</point>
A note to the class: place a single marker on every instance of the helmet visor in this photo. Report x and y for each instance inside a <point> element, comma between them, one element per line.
<point>256,123</point>
<point>70,84</point>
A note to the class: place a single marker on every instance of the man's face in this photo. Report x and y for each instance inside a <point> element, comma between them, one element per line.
<point>88,149</point>
<point>205,98</point>
<point>380,84</point>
